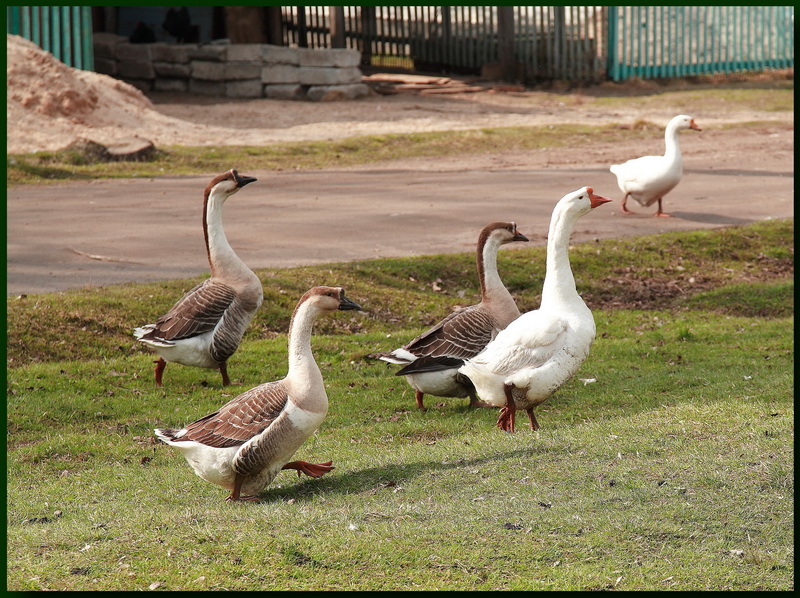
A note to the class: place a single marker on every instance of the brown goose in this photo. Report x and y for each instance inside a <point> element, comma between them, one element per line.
<point>248,441</point>
<point>205,327</point>
<point>432,359</point>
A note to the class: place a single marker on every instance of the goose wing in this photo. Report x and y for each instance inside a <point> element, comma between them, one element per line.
<point>648,176</point>
<point>197,312</point>
<point>241,419</point>
<point>460,336</point>
<point>528,342</point>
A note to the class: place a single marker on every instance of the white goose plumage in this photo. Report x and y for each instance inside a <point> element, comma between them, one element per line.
<point>204,328</point>
<point>243,445</point>
<point>650,178</point>
<point>432,359</point>
<point>542,349</point>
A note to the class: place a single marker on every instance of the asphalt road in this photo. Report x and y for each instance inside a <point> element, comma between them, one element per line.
<point>80,235</point>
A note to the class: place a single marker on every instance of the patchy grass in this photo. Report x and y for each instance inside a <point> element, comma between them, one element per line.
<point>673,469</point>
<point>49,166</point>
<point>667,271</point>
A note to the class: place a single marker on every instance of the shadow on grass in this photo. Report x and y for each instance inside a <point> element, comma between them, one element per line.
<point>46,172</point>
<point>384,477</point>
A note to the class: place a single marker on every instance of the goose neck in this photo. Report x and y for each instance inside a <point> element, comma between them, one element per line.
<point>673,150</point>
<point>559,283</point>
<point>217,247</point>
<point>487,269</point>
<point>301,358</point>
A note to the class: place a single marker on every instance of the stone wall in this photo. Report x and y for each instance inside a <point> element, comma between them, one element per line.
<point>232,70</point>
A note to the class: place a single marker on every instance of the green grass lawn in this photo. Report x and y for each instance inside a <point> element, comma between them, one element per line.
<point>672,469</point>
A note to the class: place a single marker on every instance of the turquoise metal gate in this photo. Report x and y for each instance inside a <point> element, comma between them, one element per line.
<point>64,31</point>
<point>678,41</point>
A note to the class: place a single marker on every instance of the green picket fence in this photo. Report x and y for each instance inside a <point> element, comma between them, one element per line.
<point>64,31</point>
<point>576,43</point>
<point>678,41</point>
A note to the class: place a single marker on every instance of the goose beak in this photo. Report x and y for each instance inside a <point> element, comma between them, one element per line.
<point>346,304</point>
<point>694,125</point>
<point>597,200</point>
<point>518,236</point>
<point>241,181</point>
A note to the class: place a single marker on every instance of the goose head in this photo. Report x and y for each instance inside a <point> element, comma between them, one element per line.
<point>501,233</point>
<point>683,121</point>
<point>228,183</point>
<point>328,299</point>
<point>581,202</point>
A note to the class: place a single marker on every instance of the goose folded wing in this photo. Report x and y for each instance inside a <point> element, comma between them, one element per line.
<point>197,312</point>
<point>528,342</point>
<point>461,335</point>
<point>241,419</point>
<point>641,172</point>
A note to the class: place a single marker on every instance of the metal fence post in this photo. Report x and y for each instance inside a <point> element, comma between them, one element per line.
<point>612,63</point>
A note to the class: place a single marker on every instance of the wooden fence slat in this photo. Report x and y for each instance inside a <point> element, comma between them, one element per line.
<point>578,43</point>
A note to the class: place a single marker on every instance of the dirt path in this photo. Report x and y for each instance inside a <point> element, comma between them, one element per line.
<point>109,232</point>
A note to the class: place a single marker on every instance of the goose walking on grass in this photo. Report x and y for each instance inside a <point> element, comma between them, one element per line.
<point>432,359</point>
<point>650,178</point>
<point>542,349</point>
<point>205,327</point>
<point>243,445</point>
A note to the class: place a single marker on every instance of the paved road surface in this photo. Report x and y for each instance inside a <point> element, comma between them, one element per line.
<point>80,235</point>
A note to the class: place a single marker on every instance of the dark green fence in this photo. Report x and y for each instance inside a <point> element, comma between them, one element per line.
<point>576,43</point>
<point>64,31</point>
<point>550,42</point>
<point>679,41</point>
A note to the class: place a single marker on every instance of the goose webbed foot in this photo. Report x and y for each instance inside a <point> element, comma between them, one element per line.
<point>624,207</point>
<point>660,213</point>
<point>312,470</point>
<point>237,488</point>
<point>242,499</point>
<point>226,381</point>
<point>476,403</point>
<point>505,420</point>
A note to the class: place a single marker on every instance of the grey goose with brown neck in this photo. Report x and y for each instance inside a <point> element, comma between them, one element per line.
<point>204,328</point>
<point>432,359</point>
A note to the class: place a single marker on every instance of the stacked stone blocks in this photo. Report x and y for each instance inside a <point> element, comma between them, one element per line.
<point>233,70</point>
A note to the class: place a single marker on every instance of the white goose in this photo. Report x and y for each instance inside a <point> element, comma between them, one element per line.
<point>650,178</point>
<point>205,327</point>
<point>539,351</point>
<point>432,359</point>
<point>244,444</point>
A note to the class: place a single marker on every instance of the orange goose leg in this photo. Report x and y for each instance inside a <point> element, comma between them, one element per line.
<point>532,417</point>
<point>226,381</point>
<point>625,210</point>
<point>160,365</point>
<point>475,402</point>
<point>313,470</point>
<point>506,419</point>
<point>660,213</point>
<point>237,488</point>
<point>418,396</point>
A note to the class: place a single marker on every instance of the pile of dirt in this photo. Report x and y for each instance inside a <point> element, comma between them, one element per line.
<point>50,105</point>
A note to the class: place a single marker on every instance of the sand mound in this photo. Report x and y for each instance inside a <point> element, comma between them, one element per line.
<point>50,105</point>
